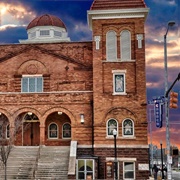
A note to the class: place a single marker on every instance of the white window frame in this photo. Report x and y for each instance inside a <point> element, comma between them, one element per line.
<point>44,32</point>
<point>134,173</point>
<point>110,48</point>
<point>125,47</point>
<point>33,35</point>
<point>35,77</point>
<point>107,128</point>
<point>49,131</point>
<point>63,131</point>
<point>121,73</point>
<point>85,171</point>
<point>57,33</point>
<point>123,133</point>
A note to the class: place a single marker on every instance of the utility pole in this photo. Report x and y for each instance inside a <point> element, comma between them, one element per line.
<point>169,173</point>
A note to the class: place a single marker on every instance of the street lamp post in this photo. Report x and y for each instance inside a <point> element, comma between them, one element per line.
<point>151,137</point>
<point>162,167</point>
<point>115,154</point>
<point>169,173</point>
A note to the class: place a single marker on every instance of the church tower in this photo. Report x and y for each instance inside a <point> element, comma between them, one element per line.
<point>119,88</point>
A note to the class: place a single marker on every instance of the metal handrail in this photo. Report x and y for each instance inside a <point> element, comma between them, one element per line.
<point>36,162</point>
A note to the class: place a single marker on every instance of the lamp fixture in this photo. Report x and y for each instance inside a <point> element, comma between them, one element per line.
<point>29,113</point>
<point>114,132</point>
<point>82,118</point>
<point>171,23</point>
<point>59,113</point>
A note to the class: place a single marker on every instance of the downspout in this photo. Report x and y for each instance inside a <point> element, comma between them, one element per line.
<point>92,127</point>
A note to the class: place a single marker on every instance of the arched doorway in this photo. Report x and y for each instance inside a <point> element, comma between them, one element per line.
<point>58,129</point>
<point>4,129</point>
<point>27,130</point>
<point>31,130</point>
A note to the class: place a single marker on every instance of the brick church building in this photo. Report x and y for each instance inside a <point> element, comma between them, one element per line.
<point>55,92</point>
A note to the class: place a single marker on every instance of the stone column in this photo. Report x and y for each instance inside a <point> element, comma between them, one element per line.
<point>42,134</point>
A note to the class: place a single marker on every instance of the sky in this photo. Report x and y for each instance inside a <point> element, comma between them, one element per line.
<point>15,15</point>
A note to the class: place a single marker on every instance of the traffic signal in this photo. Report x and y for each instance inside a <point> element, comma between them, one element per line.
<point>173,100</point>
<point>175,152</point>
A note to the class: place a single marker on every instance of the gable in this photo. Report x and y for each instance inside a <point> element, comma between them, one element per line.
<point>74,54</point>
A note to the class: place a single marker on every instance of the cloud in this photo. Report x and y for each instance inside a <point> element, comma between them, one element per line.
<point>16,14</point>
<point>80,32</point>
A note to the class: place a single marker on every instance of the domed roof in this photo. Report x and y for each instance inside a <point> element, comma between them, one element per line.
<point>46,20</point>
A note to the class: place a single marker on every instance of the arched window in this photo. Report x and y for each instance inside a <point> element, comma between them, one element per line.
<point>128,127</point>
<point>7,131</point>
<point>111,125</point>
<point>53,131</point>
<point>66,130</point>
<point>125,44</point>
<point>111,46</point>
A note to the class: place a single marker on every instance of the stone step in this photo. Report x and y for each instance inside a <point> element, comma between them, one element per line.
<point>52,163</point>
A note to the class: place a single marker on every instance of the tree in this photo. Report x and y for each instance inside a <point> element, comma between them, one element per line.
<point>5,144</point>
<point>7,138</point>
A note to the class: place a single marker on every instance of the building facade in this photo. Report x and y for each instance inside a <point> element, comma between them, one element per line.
<point>54,92</point>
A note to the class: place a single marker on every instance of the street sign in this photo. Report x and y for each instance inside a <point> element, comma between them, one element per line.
<point>158,109</point>
<point>170,159</point>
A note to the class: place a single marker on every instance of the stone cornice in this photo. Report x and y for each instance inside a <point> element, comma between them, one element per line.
<point>112,146</point>
<point>117,13</point>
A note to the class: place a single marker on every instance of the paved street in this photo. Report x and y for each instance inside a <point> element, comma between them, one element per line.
<point>176,175</point>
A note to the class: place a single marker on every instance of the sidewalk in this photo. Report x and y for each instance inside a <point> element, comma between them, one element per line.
<point>151,178</point>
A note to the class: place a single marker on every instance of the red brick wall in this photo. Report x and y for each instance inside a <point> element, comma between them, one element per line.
<point>65,67</point>
<point>141,155</point>
<point>132,105</point>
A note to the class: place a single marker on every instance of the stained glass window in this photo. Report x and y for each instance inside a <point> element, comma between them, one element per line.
<point>53,131</point>
<point>119,83</point>
<point>112,124</point>
<point>66,130</point>
<point>128,127</point>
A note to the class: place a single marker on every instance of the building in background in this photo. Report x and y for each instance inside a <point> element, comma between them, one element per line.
<point>63,93</point>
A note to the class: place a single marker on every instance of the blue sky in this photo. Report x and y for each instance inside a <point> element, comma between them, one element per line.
<point>17,14</point>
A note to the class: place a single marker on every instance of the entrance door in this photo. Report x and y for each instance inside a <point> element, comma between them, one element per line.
<point>31,134</point>
<point>35,134</point>
<point>85,169</point>
<point>31,130</point>
<point>109,170</point>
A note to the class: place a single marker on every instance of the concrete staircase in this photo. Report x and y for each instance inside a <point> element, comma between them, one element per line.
<point>53,163</point>
<point>37,163</point>
<point>21,162</point>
